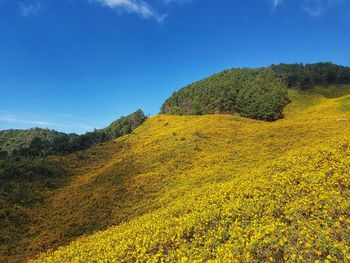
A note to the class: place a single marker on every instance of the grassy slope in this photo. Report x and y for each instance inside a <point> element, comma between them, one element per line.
<point>177,167</point>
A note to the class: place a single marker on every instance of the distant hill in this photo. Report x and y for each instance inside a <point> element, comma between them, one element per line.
<point>254,93</point>
<point>13,140</point>
<point>39,142</point>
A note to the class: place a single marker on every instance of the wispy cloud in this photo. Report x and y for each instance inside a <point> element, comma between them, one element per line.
<point>176,1</point>
<point>42,123</point>
<point>139,7</point>
<point>276,3</point>
<point>142,8</point>
<point>319,7</point>
<point>29,9</point>
<point>313,8</point>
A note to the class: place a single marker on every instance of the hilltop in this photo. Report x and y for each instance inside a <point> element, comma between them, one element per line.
<point>254,93</point>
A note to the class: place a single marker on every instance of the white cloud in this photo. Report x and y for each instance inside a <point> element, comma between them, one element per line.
<point>139,7</point>
<point>29,9</point>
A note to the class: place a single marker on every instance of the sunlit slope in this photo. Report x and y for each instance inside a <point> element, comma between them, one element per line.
<point>298,209</point>
<point>172,165</point>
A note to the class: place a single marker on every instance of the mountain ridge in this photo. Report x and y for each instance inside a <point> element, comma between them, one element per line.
<point>39,142</point>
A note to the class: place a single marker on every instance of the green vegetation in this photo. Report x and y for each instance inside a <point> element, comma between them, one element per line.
<point>345,104</point>
<point>12,141</point>
<point>24,184</point>
<point>264,98</point>
<point>254,93</point>
<point>42,142</point>
<point>309,75</point>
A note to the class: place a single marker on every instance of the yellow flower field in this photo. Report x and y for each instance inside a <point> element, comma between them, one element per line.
<point>296,210</point>
<point>216,188</point>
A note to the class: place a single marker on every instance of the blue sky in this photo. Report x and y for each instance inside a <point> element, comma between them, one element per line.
<point>72,65</point>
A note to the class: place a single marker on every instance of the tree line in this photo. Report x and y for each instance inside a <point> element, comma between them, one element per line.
<point>305,76</point>
<point>42,142</point>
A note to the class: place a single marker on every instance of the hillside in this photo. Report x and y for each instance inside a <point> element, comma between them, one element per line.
<point>230,141</point>
<point>295,210</point>
<point>177,175</point>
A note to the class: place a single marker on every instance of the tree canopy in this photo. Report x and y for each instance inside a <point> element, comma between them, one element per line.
<point>254,93</point>
<point>305,76</point>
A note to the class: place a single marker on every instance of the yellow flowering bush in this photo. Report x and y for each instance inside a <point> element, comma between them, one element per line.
<point>217,188</point>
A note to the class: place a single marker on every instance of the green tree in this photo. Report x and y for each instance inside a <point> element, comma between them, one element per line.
<point>196,106</point>
<point>264,98</point>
